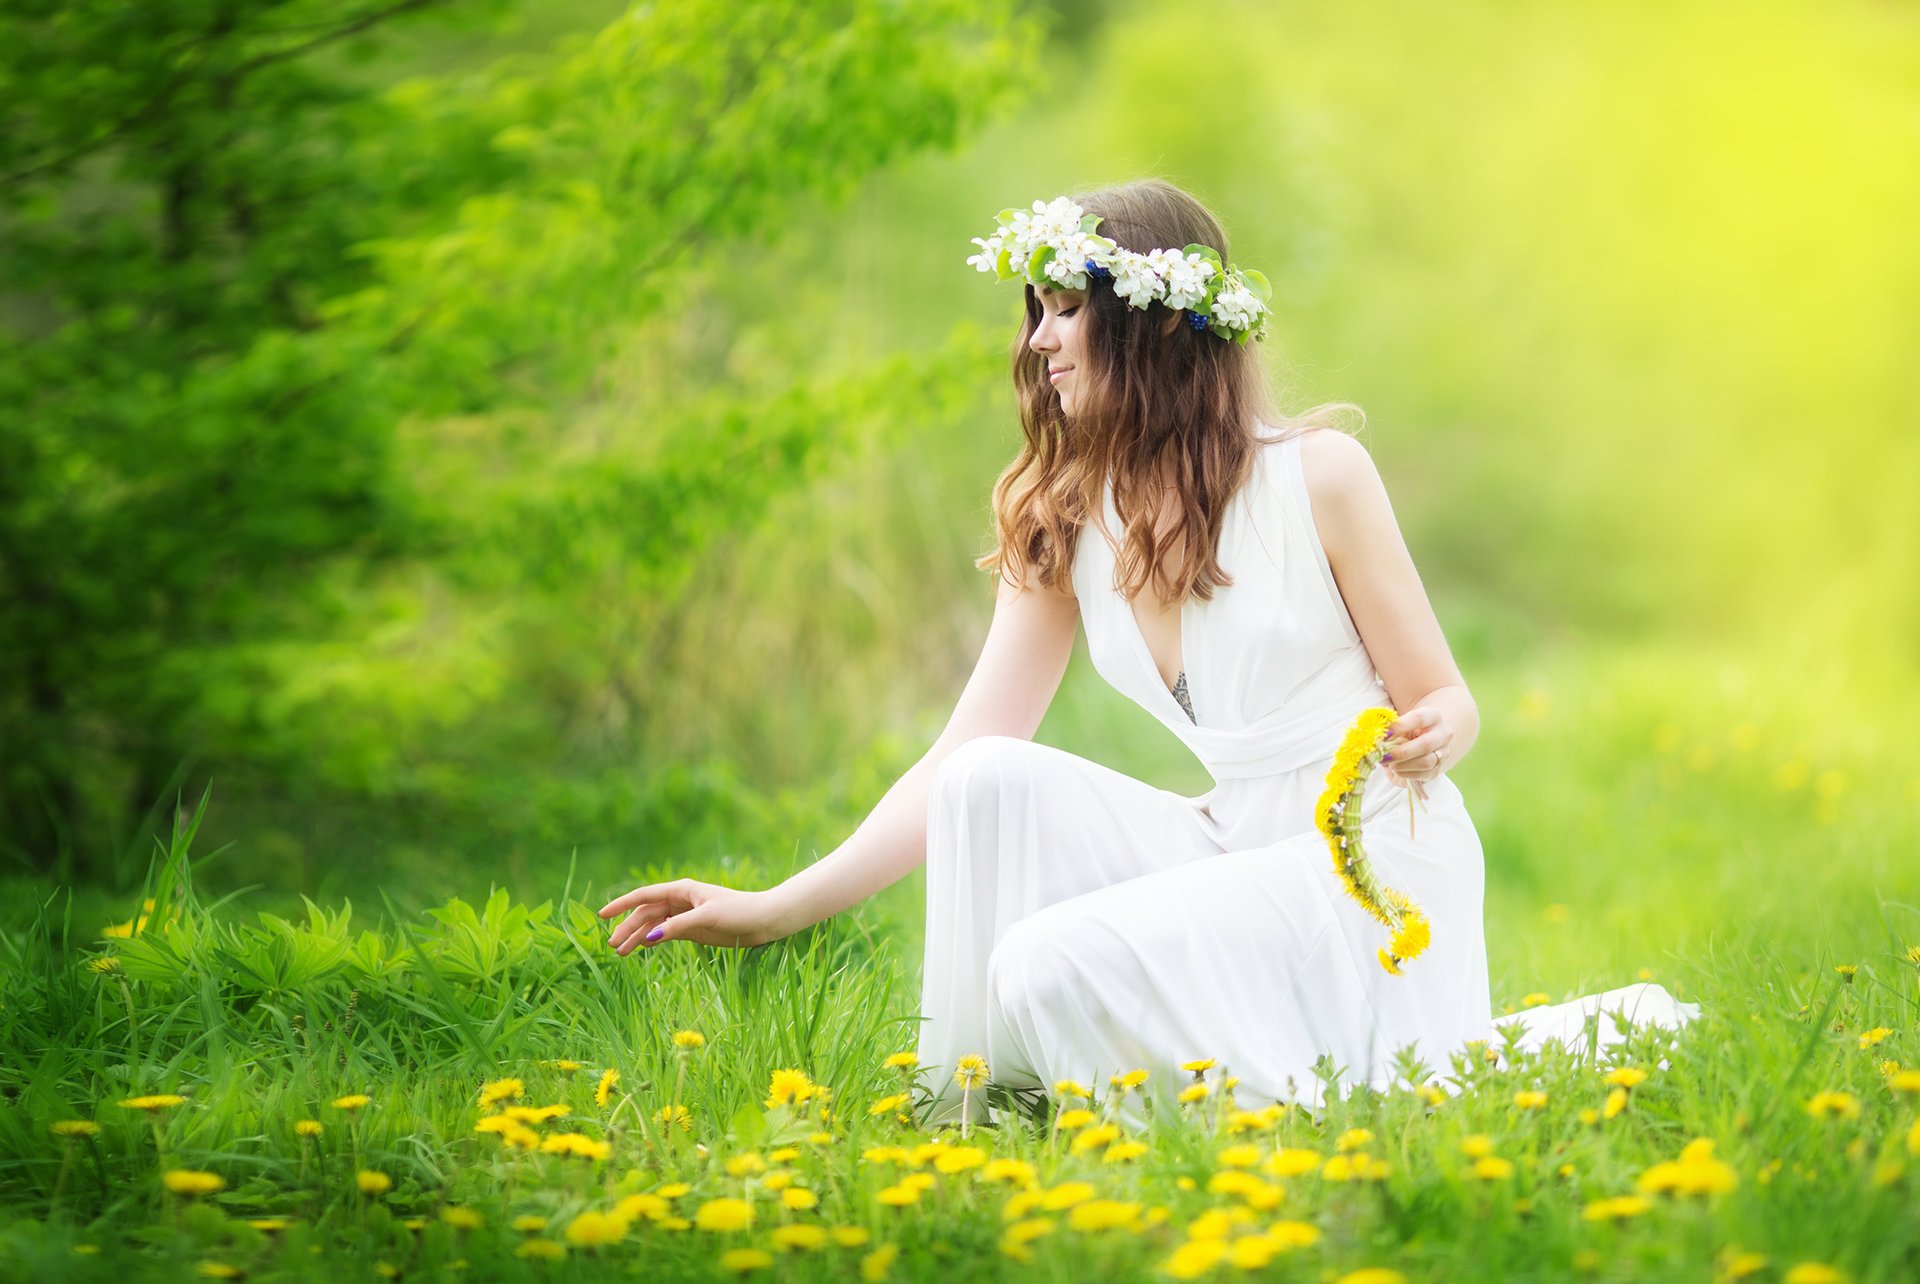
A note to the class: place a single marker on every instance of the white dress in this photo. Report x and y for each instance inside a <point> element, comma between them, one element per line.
<point>1081,923</point>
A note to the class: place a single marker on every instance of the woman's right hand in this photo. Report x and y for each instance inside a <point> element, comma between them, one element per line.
<point>689,910</point>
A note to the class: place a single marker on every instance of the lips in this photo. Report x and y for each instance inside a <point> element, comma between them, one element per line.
<point>1054,372</point>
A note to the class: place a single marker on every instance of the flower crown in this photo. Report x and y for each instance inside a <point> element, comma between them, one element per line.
<point>1054,243</point>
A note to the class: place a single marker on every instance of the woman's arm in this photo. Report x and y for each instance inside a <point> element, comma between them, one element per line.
<point>1014,681</point>
<point>1375,572</point>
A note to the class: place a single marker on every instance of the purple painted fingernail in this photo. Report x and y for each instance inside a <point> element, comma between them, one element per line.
<point>1386,757</point>
<point>656,933</point>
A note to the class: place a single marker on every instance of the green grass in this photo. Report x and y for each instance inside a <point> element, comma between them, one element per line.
<point>1736,835</point>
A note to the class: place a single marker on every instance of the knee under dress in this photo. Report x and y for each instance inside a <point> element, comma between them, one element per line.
<point>1081,923</point>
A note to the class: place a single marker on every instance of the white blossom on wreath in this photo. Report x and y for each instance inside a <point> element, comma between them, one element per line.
<point>1055,243</point>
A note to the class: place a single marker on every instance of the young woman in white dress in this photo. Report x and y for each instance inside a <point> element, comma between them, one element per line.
<point>1081,923</point>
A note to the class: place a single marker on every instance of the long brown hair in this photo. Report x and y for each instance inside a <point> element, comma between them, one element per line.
<point>1186,404</point>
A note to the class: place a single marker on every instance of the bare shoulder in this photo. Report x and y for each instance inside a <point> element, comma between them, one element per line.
<point>1335,466</point>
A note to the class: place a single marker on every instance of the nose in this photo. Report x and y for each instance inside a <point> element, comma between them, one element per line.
<point>1042,339</point>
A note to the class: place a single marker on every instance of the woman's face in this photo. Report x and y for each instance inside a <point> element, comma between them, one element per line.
<point>1058,339</point>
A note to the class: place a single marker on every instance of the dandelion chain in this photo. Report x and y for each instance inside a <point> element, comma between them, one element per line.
<point>1337,816</point>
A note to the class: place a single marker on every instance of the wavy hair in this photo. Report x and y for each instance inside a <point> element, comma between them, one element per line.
<point>1184,404</point>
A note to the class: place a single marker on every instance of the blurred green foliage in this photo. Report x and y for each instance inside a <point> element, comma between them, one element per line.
<point>584,451</point>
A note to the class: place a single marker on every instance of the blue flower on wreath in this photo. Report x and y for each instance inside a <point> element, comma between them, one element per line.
<point>1199,320</point>
<point>1098,272</point>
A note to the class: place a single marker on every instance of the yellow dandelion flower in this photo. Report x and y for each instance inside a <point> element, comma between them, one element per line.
<point>1104,1214</point>
<point>1095,1137</point>
<point>1195,1092</point>
<point>890,1105</point>
<point>104,964</point>
<point>680,1116</point>
<point>1291,1161</point>
<point>1287,1235</point>
<point>1121,1151</point>
<point>1129,1079</point>
<point>1870,1037</point>
<point>689,1039</point>
<point>799,1237</point>
<point>307,1128</point>
<point>562,1064</point>
<point>1535,999</point>
<point>500,1090</point>
<point>352,1101</point>
<point>959,1159</point>
<point>604,1092</point>
<point>269,1225</point>
<point>372,1183</point>
<point>1625,1077</point>
<point>1847,971</point>
<point>789,1087</point>
<point>1194,1258</point>
<point>1616,1208</point>
<point>1070,1088</point>
<point>1353,1139</point>
<point>874,1265</point>
<point>746,1163</point>
<point>1239,1156</point>
<point>970,1071</point>
<point>576,1144</point>
<point>723,1215</point>
<point>155,1102</point>
<point>591,1230</point>
<point>1066,1195</point>
<point>213,1270</point>
<point>799,1199</point>
<point>1736,1264</point>
<point>546,1250</point>
<point>529,1223</point>
<point>1913,955</point>
<point>1815,1273</point>
<point>1907,1081</point>
<point>1372,1275</point>
<point>898,1196</point>
<point>192,1182</point>
<point>742,1260</point>
<point>850,1236</point>
<point>1477,1146</point>
<point>75,1128</point>
<point>902,1061</point>
<point>1198,1067</point>
<point>1833,1105</point>
<point>462,1218</point>
<point>1616,1102</point>
<point>1071,1119</point>
<point>1530,1100</point>
<point>1589,1116</point>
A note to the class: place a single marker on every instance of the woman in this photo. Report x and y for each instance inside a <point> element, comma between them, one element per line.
<point>1081,923</point>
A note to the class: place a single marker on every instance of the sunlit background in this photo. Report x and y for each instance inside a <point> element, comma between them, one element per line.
<point>575,469</point>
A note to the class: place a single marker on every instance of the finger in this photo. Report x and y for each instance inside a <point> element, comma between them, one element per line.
<point>643,915</point>
<point>637,938</point>
<point>674,928</point>
<point>648,892</point>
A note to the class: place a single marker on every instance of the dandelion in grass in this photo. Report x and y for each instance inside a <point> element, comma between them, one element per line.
<point>1198,1068</point>
<point>1492,1168</point>
<point>1128,1080</point>
<point>155,1103</point>
<point>1833,1105</point>
<point>1195,1092</point>
<point>104,964</point>
<point>1913,955</point>
<point>1735,1263</point>
<point>462,1218</point>
<point>1530,1100</point>
<point>211,1269</point>
<point>371,1182</point>
<point>192,1182</point>
<point>351,1102</point>
<point>562,1064</point>
<point>743,1260</point>
<point>1625,1077</point>
<point>1353,1139</point>
<point>789,1087</point>
<point>722,1216</point>
<point>1536,999</point>
<point>544,1250</point>
<point>590,1229</point>
<point>1904,1081</point>
<point>875,1265</point>
<point>688,1040</point>
<point>307,1128</point>
<point>1616,1102</point>
<point>1815,1273</point>
<point>890,1105</point>
<point>969,1072</point>
<point>500,1090</point>
<point>1238,1156</point>
<point>529,1223</point>
<point>577,1145</point>
<point>269,1225</point>
<point>75,1128</point>
<point>746,1164</point>
<point>1847,972</point>
<point>898,1196</point>
<point>1617,1208</point>
<point>1876,1035</point>
<point>1372,1275</point>
<point>905,1061</point>
<point>603,1093</point>
<point>1079,1117</point>
<point>677,1116</point>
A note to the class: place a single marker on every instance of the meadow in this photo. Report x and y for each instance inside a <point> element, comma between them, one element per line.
<point>484,1090</point>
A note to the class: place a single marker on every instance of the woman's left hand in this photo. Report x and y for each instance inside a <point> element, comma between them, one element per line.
<point>1416,746</point>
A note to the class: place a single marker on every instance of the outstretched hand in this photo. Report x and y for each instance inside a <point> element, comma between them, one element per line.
<point>689,910</point>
